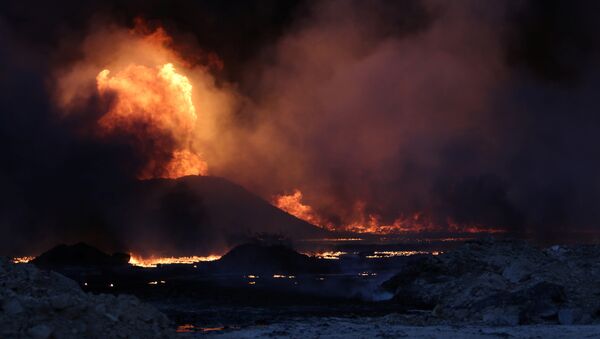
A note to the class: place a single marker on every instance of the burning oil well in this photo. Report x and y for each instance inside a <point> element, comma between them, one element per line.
<point>331,157</point>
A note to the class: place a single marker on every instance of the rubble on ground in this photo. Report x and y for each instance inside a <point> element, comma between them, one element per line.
<point>44,304</point>
<point>503,282</point>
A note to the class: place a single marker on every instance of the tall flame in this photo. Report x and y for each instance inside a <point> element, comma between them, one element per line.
<point>292,204</point>
<point>154,105</point>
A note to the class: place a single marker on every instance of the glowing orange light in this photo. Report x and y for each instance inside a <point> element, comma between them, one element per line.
<point>329,255</point>
<point>22,260</point>
<point>154,105</point>
<point>292,204</point>
<point>363,222</point>
<point>139,261</point>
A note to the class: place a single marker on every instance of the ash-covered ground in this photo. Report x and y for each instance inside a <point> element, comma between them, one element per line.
<point>480,288</point>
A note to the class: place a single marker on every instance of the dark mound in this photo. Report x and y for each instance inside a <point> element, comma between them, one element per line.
<point>203,215</point>
<point>268,259</point>
<point>80,254</point>
<point>193,215</point>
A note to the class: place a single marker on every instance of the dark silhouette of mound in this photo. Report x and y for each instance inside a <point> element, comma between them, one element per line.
<point>256,258</point>
<point>204,215</point>
<point>193,215</point>
<point>80,254</point>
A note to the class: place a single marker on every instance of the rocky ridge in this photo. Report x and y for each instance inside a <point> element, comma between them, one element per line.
<point>44,304</point>
<point>503,282</point>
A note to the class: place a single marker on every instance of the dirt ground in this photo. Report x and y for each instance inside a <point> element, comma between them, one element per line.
<point>385,328</point>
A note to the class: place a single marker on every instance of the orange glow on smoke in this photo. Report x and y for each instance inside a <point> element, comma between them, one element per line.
<point>363,222</point>
<point>158,97</point>
<point>140,261</point>
<point>154,105</point>
<point>185,163</point>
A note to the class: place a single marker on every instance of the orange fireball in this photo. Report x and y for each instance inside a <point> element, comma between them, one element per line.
<point>154,106</point>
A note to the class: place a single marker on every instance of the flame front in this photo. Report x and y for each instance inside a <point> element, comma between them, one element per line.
<point>140,261</point>
<point>154,106</point>
<point>22,260</point>
<point>363,222</point>
<point>292,204</point>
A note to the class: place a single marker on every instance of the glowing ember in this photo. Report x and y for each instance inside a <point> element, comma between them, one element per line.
<point>186,328</point>
<point>282,276</point>
<point>154,105</point>
<point>157,282</point>
<point>389,254</point>
<point>333,239</point>
<point>189,328</point>
<point>367,274</point>
<point>155,261</point>
<point>22,260</point>
<point>329,255</point>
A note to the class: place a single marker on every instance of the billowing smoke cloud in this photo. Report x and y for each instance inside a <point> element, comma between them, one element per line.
<point>454,116</point>
<point>469,114</point>
<point>356,115</point>
<point>464,113</point>
<point>163,104</point>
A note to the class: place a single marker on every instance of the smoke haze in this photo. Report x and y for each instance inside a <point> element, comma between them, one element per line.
<point>466,112</point>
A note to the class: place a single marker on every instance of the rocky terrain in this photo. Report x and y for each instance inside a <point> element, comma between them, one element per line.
<point>483,288</point>
<point>503,283</point>
<point>43,304</point>
<point>390,327</point>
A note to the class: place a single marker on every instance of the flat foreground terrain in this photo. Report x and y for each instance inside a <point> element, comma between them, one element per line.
<point>385,328</point>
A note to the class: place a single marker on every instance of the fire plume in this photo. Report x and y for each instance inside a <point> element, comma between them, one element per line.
<point>154,106</point>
